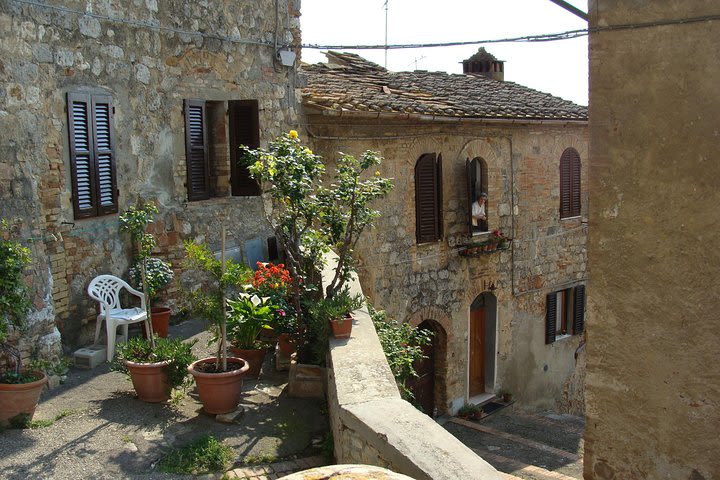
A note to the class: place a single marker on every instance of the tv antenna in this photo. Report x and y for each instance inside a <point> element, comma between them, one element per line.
<point>386,29</point>
<point>415,61</point>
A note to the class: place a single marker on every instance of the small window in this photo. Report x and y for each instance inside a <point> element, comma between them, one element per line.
<point>565,313</point>
<point>428,198</point>
<point>477,178</point>
<point>570,183</point>
<point>92,155</point>
<point>214,132</point>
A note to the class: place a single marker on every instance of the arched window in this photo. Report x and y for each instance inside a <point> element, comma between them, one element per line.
<point>428,198</point>
<point>477,178</point>
<point>570,183</point>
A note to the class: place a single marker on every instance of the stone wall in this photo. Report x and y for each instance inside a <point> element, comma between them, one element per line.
<point>653,386</point>
<point>432,282</point>
<point>149,56</point>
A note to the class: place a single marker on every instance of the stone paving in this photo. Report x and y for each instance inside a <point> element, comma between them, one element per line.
<point>102,431</point>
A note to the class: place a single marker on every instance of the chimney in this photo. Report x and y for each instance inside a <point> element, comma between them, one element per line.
<point>485,64</point>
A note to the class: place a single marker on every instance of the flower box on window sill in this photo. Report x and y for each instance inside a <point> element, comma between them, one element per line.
<point>482,248</point>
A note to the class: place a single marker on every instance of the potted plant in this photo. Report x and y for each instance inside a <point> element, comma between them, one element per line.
<point>338,312</point>
<point>19,389</point>
<point>219,378</point>
<point>506,396</point>
<point>155,372</point>
<point>271,282</point>
<point>150,273</point>
<point>247,317</point>
<point>470,412</point>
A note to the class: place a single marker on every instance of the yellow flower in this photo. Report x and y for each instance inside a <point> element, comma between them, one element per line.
<point>308,151</point>
<point>258,166</point>
<point>377,173</point>
<point>293,134</point>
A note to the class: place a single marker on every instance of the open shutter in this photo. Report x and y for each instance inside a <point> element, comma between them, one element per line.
<point>82,164</point>
<point>439,189</point>
<point>575,183</point>
<point>106,182</point>
<point>426,211</point>
<point>470,180</point>
<point>565,186</point>
<point>196,150</point>
<point>579,310</point>
<point>244,130</point>
<point>550,317</point>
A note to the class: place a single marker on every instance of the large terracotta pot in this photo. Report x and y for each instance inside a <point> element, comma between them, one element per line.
<point>255,358</point>
<point>219,392</point>
<point>342,328</point>
<point>150,380</point>
<point>286,344</point>
<point>160,317</point>
<point>22,398</point>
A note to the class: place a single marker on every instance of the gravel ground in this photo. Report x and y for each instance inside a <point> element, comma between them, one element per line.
<point>106,432</point>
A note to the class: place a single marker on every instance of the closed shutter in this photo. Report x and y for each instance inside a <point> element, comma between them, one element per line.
<point>579,310</point>
<point>244,130</point>
<point>575,183</point>
<point>426,199</point>
<point>439,189</point>
<point>550,317</point>
<point>104,155</point>
<point>196,150</point>
<point>82,164</point>
<point>570,183</point>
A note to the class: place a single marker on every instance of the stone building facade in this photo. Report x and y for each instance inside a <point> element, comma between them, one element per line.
<point>488,311</point>
<point>653,386</point>
<point>133,67</point>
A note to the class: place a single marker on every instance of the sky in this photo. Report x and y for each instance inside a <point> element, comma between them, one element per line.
<point>558,67</point>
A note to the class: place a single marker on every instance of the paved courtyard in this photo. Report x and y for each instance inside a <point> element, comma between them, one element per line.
<point>102,431</point>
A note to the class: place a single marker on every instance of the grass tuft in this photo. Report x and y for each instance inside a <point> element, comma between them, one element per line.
<point>207,454</point>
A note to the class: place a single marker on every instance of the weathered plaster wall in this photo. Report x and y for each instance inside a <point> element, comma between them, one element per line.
<point>431,281</point>
<point>45,53</point>
<point>653,386</point>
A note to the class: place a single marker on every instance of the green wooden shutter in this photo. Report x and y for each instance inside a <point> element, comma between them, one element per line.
<point>82,162</point>
<point>104,142</point>
<point>196,150</point>
<point>550,317</point>
<point>579,310</point>
<point>244,130</point>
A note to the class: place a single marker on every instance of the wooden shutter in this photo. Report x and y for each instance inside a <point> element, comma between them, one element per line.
<point>104,142</point>
<point>550,317</point>
<point>575,183</point>
<point>82,164</point>
<point>570,183</point>
<point>579,310</point>
<point>439,189</point>
<point>196,150</point>
<point>244,130</point>
<point>426,199</point>
<point>470,180</point>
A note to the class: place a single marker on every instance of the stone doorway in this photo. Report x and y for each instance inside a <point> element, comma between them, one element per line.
<point>429,387</point>
<point>482,328</point>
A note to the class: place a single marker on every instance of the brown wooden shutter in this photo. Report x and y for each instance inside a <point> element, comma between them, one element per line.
<point>550,317</point>
<point>244,130</point>
<point>470,181</point>
<point>579,310</point>
<point>439,188</point>
<point>570,183</point>
<point>426,199</point>
<point>104,139</point>
<point>575,183</point>
<point>196,150</point>
<point>82,164</point>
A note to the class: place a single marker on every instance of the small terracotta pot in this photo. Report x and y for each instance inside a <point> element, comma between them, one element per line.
<point>21,398</point>
<point>149,380</point>
<point>254,357</point>
<point>219,392</point>
<point>286,344</point>
<point>342,328</point>
<point>160,317</point>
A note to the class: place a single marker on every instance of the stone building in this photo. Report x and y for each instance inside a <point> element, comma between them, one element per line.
<point>653,385</point>
<point>508,319</point>
<point>106,104</point>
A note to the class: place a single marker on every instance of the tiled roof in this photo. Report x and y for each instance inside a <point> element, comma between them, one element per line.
<point>351,83</point>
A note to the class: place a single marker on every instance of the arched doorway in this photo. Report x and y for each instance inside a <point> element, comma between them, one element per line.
<point>429,387</point>
<point>481,344</point>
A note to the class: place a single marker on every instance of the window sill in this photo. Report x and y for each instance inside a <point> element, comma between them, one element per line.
<point>479,234</point>
<point>562,337</point>
<point>576,217</point>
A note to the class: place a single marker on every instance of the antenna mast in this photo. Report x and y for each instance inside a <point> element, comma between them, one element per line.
<point>386,30</point>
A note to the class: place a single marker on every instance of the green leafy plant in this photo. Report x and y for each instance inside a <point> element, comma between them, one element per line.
<point>247,317</point>
<point>158,274</point>
<point>470,411</point>
<point>207,454</point>
<point>175,351</point>
<point>14,299</point>
<point>402,344</point>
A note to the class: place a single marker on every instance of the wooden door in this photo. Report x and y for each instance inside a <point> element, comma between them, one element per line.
<point>477,351</point>
<point>423,387</point>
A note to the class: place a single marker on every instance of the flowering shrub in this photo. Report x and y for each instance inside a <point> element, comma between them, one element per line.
<point>498,237</point>
<point>271,279</point>
<point>157,272</point>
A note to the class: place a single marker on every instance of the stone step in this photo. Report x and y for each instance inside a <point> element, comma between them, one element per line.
<point>562,434</point>
<point>514,469</point>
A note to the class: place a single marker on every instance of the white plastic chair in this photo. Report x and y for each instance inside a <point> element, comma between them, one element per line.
<point>106,290</point>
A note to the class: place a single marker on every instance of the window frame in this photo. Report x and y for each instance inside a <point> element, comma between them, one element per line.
<point>567,307</point>
<point>472,193</point>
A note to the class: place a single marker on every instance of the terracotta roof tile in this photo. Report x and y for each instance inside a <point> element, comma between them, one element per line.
<point>350,82</point>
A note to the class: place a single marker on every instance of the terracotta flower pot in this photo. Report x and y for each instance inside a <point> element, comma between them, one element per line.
<point>255,358</point>
<point>22,398</point>
<point>342,328</point>
<point>286,344</point>
<point>219,392</point>
<point>149,380</point>
<point>160,317</point>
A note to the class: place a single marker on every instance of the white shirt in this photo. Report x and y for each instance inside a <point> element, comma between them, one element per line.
<point>477,211</point>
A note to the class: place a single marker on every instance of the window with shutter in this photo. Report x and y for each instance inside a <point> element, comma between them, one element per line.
<point>579,310</point>
<point>428,198</point>
<point>92,155</point>
<point>477,176</point>
<point>196,150</point>
<point>550,317</point>
<point>570,183</point>
<point>564,308</point>
<point>244,130</point>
